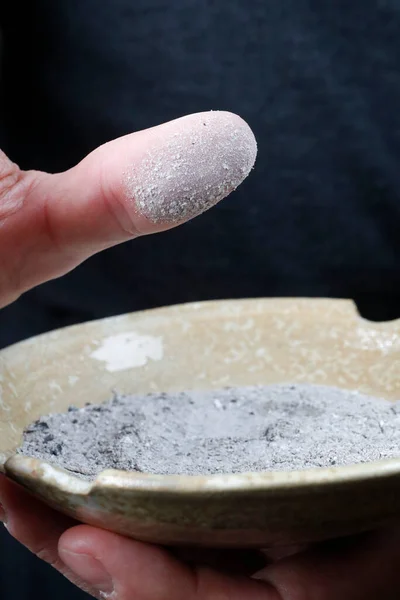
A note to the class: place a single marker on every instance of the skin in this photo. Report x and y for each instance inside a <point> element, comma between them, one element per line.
<point>48,225</point>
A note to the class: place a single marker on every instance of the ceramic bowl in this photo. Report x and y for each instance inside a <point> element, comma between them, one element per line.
<point>207,345</point>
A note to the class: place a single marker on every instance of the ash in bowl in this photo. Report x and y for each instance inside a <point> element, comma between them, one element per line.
<point>231,430</point>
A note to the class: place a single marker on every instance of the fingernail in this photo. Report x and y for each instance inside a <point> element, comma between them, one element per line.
<point>90,570</point>
<point>191,164</point>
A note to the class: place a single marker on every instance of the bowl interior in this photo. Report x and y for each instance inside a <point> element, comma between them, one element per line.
<point>203,345</point>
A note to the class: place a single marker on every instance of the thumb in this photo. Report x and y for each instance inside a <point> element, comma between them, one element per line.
<point>142,183</point>
<point>119,568</point>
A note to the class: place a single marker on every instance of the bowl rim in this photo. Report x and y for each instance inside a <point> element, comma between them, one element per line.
<point>199,485</point>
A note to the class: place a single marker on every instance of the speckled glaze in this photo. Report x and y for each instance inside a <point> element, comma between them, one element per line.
<point>207,345</point>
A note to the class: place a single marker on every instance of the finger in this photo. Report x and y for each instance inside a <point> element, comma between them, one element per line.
<point>31,522</point>
<point>123,569</point>
<point>139,184</point>
<point>363,568</point>
<point>36,526</point>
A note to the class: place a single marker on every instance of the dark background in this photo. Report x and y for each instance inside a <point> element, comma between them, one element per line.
<point>319,82</point>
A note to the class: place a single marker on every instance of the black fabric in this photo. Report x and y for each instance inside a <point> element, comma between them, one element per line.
<point>319,82</point>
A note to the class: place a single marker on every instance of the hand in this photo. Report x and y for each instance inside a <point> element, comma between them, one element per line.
<point>139,184</point>
<point>107,565</point>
